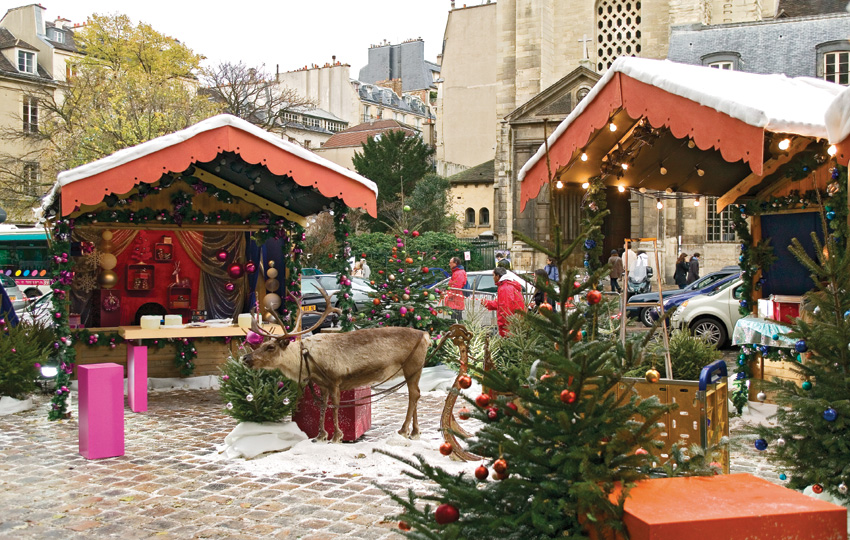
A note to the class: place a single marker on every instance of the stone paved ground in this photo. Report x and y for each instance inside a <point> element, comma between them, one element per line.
<point>164,487</point>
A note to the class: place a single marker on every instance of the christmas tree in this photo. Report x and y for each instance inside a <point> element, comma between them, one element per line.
<point>556,442</point>
<point>401,296</point>
<point>811,435</point>
<point>256,395</point>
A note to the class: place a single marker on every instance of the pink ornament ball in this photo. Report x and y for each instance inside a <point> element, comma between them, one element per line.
<point>250,267</point>
<point>235,270</point>
<point>253,338</point>
<point>406,231</point>
<point>387,315</point>
<point>229,286</point>
<point>402,310</point>
<point>418,318</point>
<point>222,255</point>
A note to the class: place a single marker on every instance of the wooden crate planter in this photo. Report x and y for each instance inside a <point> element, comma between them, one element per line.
<point>767,370</point>
<point>702,416</point>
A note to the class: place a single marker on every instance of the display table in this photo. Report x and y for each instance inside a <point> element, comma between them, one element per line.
<point>758,331</point>
<point>137,353</point>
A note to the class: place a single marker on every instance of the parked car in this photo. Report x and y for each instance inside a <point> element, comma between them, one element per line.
<point>37,309</point>
<point>644,313</point>
<point>671,303</point>
<point>482,281</point>
<point>711,316</point>
<point>15,295</point>
<point>313,303</point>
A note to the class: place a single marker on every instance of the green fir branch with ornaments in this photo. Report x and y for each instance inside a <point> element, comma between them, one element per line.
<point>594,204</point>
<point>63,355</point>
<point>256,395</point>
<point>341,265</point>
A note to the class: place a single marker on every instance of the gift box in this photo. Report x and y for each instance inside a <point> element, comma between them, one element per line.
<point>355,413</point>
<point>785,308</point>
<point>765,307</point>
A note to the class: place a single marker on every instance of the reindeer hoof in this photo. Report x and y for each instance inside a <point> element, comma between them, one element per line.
<point>404,433</point>
<point>322,437</point>
<point>415,435</point>
<point>337,438</point>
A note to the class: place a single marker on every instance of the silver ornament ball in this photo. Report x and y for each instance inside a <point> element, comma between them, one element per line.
<point>842,488</point>
<point>780,442</point>
<point>249,397</point>
<point>761,396</point>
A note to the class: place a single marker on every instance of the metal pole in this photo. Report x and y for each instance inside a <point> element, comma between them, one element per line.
<point>625,294</point>
<point>668,364</point>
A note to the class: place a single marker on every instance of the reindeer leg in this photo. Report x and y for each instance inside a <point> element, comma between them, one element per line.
<point>337,438</point>
<point>412,372</point>
<point>323,407</point>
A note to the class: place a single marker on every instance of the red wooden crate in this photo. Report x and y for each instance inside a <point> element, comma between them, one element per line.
<point>354,420</point>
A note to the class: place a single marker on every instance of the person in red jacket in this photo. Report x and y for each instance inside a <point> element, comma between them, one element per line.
<point>508,300</point>
<point>454,294</point>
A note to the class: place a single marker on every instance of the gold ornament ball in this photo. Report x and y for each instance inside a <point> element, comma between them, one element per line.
<point>271,301</point>
<point>272,273</point>
<point>107,279</point>
<point>272,285</point>
<point>406,296</point>
<point>391,277</point>
<point>106,246</point>
<point>652,375</point>
<point>268,317</point>
<point>108,261</point>
<point>107,235</point>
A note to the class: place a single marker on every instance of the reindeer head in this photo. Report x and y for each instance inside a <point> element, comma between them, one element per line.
<point>276,352</point>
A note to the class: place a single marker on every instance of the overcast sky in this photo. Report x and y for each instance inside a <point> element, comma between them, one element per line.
<point>291,33</point>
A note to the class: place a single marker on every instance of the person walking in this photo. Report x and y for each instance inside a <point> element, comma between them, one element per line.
<point>693,269</point>
<point>541,297</point>
<point>617,270</point>
<point>357,271</point>
<point>366,270</point>
<point>503,261</point>
<point>508,300</point>
<point>454,295</point>
<point>551,270</point>
<point>680,274</point>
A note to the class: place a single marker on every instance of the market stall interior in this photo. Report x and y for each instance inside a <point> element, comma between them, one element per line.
<point>197,226</point>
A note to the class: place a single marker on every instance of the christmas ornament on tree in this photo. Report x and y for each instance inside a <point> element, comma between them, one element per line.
<point>221,256</point>
<point>482,400</point>
<point>500,466</point>
<point>830,415</point>
<point>652,376</point>
<point>807,385</point>
<point>403,525</point>
<point>464,381</point>
<point>482,472</point>
<point>842,488</point>
<point>760,445</point>
<point>593,297</point>
<point>446,513</point>
<point>761,396</point>
<point>780,442</point>
<point>463,413</point>
<point>801,346</point>
<point>817,488</point>
<point>446,449</point>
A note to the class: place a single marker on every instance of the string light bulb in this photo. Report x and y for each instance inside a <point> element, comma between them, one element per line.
<point>700,171</point>
<point>691,143</point>
<point>585,185</point>
<point>696,201</point>
<point>584,156</point>
<point>625,166</point>
<point>612,126</point>
<point>621,189</point>
<point>559,185</point>
<point>642,190</point>
<point>659,204</point>
<point>663,170</point>
<point>784,144</point>
<point>832,150</point>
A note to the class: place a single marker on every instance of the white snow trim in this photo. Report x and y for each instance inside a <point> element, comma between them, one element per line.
<point>250,439</point>
<point>774,102</point>
<point>838,117</point>
<point>10,405</point>
<point>154,145</point>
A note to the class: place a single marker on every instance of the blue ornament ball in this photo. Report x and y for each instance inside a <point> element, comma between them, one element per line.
<point>743,303</point>
<point>847,314</point>
<point>741,375</point>
<point>590,243</point>
<point>830,215</point>
<point>740,258</point>
<point>830,415</point>
<point>587,263</point>
<point>774,337</point>
<point>761,445</point>
<point>782,476</point>
<point>801,346</point>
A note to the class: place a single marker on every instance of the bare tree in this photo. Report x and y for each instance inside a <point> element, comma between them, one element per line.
<point>252,94</point>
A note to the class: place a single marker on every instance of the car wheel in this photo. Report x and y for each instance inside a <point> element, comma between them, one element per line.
<point>710,330</point>
<point>645,317</point>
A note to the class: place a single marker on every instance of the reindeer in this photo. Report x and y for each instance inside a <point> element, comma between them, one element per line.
<point>337,362</point>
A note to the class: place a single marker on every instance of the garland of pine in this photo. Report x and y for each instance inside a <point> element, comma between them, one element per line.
<point>63,355</point>
<point>342,233</point>
<point>757,258</point>
<point>595,206</point>
<point>295,251</point>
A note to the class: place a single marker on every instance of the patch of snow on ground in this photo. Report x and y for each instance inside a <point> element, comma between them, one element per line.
<point>9,405</point>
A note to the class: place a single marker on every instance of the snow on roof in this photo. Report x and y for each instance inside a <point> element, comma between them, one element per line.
<point>774,102</point>
<point>838,117</point>
<point>154,145</point>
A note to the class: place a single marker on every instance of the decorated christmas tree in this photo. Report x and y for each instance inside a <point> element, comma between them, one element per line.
<point>256,395</point>
<point>401,296</point>
<point>557,441</point>
<point>811,435</point>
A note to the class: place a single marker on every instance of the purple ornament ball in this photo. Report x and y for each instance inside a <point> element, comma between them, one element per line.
<point>222,255</point>
<point>254,338</point>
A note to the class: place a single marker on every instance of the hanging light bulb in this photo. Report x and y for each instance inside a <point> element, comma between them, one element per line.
<point>659,204</point>
<point>700,172</point>
<point>663,170</point>
<point>612,126</point>
<point>691,143</point>
<point>621,189</point>
<point>784,144</point>
<point>832,150</point>
<point>559,185</point>
<point>585,185</point>
<point>668,190</point>
<point>625,166</point>
<point>642,190</point>
<point>584,156</point>
<point>696,201</point>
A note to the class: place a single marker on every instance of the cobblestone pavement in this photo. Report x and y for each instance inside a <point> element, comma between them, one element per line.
<point>165,487</point>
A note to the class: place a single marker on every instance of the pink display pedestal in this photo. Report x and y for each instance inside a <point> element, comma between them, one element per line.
<point>137,377</point>
<point>101,410</point>
<point>354,420</point>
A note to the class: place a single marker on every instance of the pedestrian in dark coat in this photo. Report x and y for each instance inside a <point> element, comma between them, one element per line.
<point>693,269</point>
<point>680,274</point>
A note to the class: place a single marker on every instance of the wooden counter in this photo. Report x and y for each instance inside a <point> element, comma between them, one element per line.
<point>136,332</point>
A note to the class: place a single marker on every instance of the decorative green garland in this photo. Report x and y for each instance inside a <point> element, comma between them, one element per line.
<point>64,354</point>
<point>595,205</point>
<point>342,232</point>
<point>293,253</point>
<point>759,257</point>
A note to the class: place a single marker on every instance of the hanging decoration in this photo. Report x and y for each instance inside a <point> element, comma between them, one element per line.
<point>342,232</point>
<point>63,354</point>
<point>593,205</point>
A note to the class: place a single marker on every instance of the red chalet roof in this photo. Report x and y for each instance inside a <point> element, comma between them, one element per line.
<point>359,134</point>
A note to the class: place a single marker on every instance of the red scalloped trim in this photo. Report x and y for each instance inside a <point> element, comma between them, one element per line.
<point>685,118</point>
<point>204,147</point>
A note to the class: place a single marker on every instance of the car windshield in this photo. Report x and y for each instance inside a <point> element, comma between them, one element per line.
<point>706,281</point>
<point>724,286</point>
<point>308,286</point>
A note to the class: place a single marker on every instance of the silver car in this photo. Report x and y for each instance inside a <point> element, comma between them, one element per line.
<point>15,295</point>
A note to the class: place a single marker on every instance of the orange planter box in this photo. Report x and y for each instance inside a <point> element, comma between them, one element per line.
<point>729,507</point>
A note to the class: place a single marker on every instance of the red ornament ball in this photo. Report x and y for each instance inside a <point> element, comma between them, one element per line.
<point>817,488</point>
<point>492,413</point>
<point>408,260</point>
<point>483,400</point>
<point>446,513</point>
<point>415,234</point>
<point>641,452</point>
<point>425,270</point>
<point>464,381</point>
<point>482,472</point>
<point>403,525</point>
<point>235,270</point>
<point>376,301</point>
<point>512,406</point>
<point>501,476</point>
<point>568,396</point>
<point>545,307</point>
<point>446,448</point>
<point>222,255</point>
<point>463,413</point>
<point>593,297</point>
<point>576,284</point>
<point>500,466</point>
<point>229,286</point>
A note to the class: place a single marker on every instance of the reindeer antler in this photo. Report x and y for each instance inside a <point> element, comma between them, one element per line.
<point>328,310</point>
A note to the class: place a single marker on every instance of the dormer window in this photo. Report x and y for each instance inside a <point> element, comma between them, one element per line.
<point>54,34</point>
<point>26,62</point>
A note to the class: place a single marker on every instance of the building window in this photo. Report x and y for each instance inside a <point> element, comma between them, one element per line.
<point>31,178</point>
<point>470,217</point>
<point>617,31</point>
<point>54,34</point>
<point>308,143</point>
<point>365,113</point>
<point>30,114</point>
<point>483,217</point>
<point>719,227</point>
<point>835,67</point>
<point>26,62</point>
<point>722,60</point>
